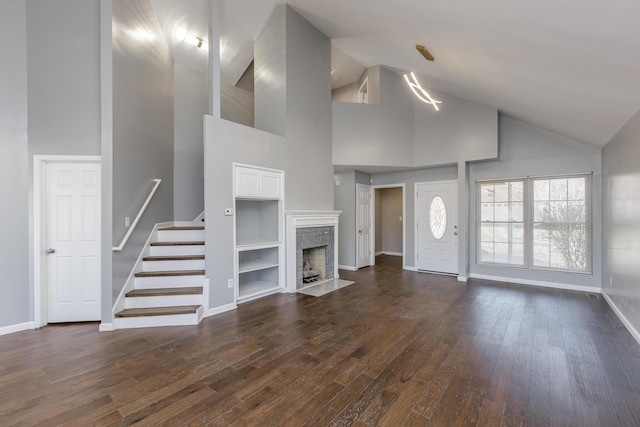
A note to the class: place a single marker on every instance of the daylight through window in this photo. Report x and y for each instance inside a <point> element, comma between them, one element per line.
<point>536,222</point>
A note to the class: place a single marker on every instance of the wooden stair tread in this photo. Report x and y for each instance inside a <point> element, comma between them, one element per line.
<point>170,273</point>
<point>183,228</point>
<point>158,311</point>
<point>177,244</point>
<point>174,258</point>
<point>159,292</point>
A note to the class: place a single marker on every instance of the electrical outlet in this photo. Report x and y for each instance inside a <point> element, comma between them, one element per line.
<point>127,223</point>
<point>230,283</point>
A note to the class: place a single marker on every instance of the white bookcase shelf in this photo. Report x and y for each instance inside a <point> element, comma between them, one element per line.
<point>259,227</point>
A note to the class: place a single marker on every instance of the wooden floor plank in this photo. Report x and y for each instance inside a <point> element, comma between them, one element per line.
<point>395,348</point>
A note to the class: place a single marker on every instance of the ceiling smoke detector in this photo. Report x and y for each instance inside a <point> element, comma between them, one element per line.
<point>424,52</point>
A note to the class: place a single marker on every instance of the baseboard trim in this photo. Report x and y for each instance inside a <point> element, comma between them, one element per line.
<point>409,268</point>
<point>379,253</point>
<point>627,324</point>
<point>554,285</point>
<point>348,267</point>
<point>220,309</point>
<point>390,253</point>
<point>5,330</point>
<point>463,279</point>
<point>106,327</point>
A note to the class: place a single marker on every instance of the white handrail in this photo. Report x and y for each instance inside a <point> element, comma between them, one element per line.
<point>135,221</point>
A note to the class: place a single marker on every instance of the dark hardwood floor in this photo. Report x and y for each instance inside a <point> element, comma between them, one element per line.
<point>395,348</point>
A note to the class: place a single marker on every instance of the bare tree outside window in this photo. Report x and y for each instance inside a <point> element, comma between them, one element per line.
<point>560,224</point>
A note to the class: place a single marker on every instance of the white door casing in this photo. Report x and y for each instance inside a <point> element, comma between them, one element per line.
<point>363,226</point>
<point>72,241</point>
<point>437,226</point>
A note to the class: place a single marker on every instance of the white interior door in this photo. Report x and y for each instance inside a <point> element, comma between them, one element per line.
<point>363,225</point>
<point>72,212</point>
<point>437,226</point>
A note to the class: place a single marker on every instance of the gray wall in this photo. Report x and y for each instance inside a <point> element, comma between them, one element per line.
<point>460,130</point>
<point>347,93</point>
<point>621,220</point>
<point>63,90</point>
<point>344,196</point>
<point>410,178</point>
<point>236,105</point>
<point>390,234</point>
<point>404,132</point>
<point>270,75</point>
<point>345,201</point>
<point>14,166</point>
<point>529,151</point>
<point>376,134</point>
<point>304,154</point>
<point>142,129</point>
<point>64,76</point>
<point>191,103</point>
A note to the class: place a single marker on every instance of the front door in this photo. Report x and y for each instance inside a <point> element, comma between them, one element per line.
<point>72,212</point>
<point>437,226</point>
<point>363,224</point>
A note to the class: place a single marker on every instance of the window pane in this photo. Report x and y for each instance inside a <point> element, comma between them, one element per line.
<point>486,252</point>
<point>576,188</point>
<point>487,194</point>
<point>501,253</point>
<point>486,212</point>
<point>502,212</point>
<point>576,212</point>
<point>502,208</point>
<point>517,211</point>
<point>517,254</point>
<point>541,255</point>
<point>540,211</point>
<point>502,192</point>
<point>486,232</point>
<point>517,191</point>
<point>517,233</point>
<point>560,229</point>
<point>501,233</point>
<point>558,189</point>
<point>541,190</point>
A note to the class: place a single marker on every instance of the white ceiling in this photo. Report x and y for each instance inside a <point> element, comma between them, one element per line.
<point>571,66</point>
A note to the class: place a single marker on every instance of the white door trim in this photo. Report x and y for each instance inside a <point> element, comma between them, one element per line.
<point>40,303</point>
<point>415,213</point>
<point>404,220</point>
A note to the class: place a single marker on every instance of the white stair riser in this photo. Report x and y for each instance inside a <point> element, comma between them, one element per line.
<point>163,301</point>
<point>151,321</point>
<point>180,235</point>
<point>168,282</point>
<point>177,250</point>
<point>173,265</point>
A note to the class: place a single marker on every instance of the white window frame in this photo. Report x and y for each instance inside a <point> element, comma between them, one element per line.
<point>528,220</point>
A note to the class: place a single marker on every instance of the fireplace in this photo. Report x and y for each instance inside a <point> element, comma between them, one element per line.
<point>319,242</point>
<point>311,236</point>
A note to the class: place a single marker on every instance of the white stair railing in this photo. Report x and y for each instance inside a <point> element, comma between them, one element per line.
<point>135,221</point>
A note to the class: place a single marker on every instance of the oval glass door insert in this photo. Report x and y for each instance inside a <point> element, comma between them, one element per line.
<point>437,217</point>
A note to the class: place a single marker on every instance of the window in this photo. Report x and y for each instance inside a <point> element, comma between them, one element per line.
<point>536,223</point>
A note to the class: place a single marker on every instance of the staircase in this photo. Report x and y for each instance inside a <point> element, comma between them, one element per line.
<point>168,289</point>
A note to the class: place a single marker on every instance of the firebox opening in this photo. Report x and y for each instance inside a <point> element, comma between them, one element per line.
<point>314,264</point>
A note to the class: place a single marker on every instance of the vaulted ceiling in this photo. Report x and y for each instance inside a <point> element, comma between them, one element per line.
<point>572,67</point>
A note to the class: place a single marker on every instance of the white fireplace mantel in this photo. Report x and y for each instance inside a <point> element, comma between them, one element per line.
<point>301,219</point>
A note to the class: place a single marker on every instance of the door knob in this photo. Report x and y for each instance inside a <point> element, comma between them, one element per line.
<point>50,251</point>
